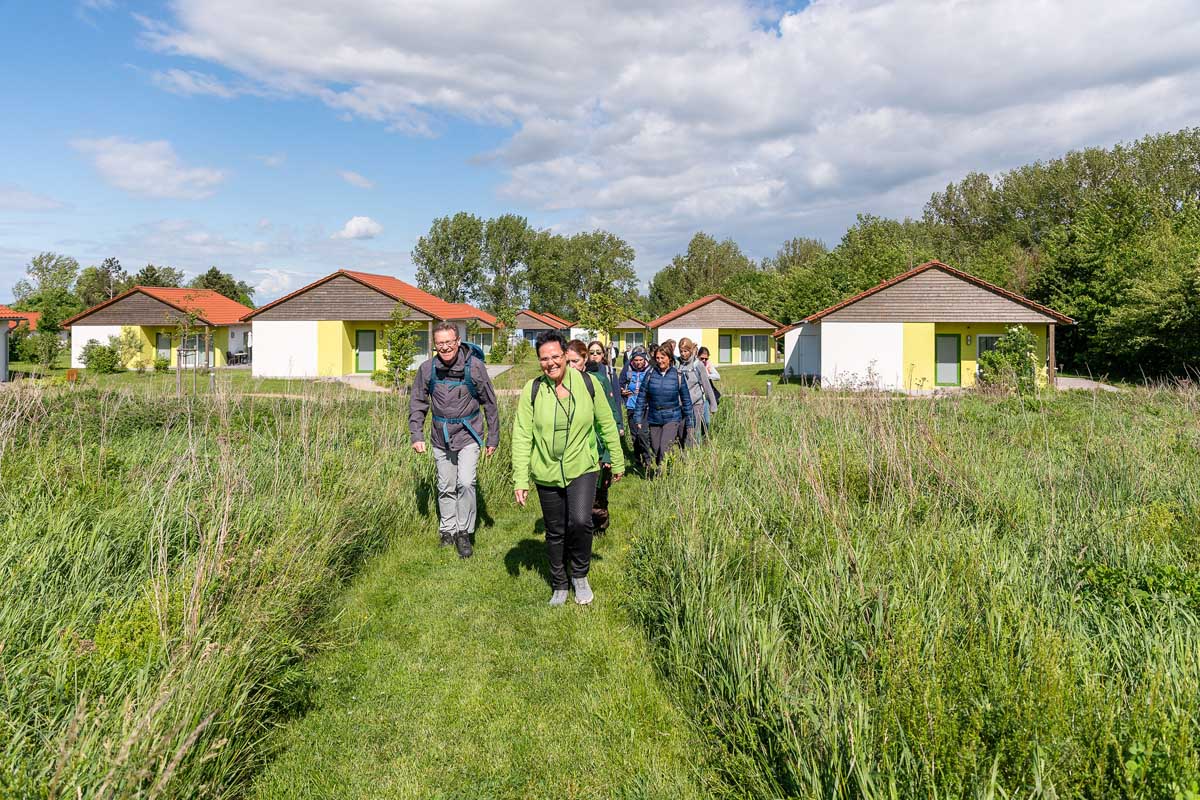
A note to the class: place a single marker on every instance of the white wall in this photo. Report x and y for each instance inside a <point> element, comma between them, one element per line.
<point>82,334</point>
<point>802,351</point>
<point>285,349</point>
<point>662,334</point>
<point>237,338</point>
<point>862,355</point>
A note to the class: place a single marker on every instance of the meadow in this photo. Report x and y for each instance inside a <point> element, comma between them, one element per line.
<point>840,596</point>
<point>860,596</point>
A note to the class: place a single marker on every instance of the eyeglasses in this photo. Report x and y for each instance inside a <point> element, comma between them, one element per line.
<point>704,358</point>
<point>596,352</point>
<point>445,347</point>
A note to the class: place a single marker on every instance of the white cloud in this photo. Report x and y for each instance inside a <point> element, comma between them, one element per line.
<point>190,82</point>
<point>354,179</point>
<point>655,119</point>
<point>272,283</point>
<point>150,169</point>
<point>14,198</point>
<point>359,228</point>
<point>274,160</point>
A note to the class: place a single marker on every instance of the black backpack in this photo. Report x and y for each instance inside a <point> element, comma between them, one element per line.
<point>587,381</point>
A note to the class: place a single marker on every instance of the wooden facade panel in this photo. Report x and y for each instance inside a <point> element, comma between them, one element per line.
<point>630,325</point>
<point>136,309</point>
<point>719,314</point>
<point>936,296</point>
<point>528,323</point>
<point>340,298</point>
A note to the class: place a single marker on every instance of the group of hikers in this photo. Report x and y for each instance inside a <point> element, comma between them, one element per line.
<point>568,438</point>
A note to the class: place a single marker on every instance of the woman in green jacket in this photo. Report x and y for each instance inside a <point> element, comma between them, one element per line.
<point>562,417</point>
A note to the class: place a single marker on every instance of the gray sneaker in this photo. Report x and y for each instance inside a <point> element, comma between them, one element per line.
<point>558,597</point>
<point>583,592</point>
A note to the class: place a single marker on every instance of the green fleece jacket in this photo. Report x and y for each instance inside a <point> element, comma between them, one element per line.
<point>538,454</point>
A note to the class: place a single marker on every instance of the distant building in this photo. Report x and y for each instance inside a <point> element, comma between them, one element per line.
<point>334,326</point>
<point>923,330</point>
<point>530,324</point>
<point>158,314</point>
<point>733,333</point>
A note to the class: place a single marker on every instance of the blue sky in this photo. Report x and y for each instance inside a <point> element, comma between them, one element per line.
<point>249,135</point>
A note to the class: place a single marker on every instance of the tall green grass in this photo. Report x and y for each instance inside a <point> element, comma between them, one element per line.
<point>975,597</point>
<point>164,564</point>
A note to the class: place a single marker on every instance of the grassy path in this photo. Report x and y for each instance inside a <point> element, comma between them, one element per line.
<point>461,682</point>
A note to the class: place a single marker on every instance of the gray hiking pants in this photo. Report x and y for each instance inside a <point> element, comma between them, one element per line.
<point>456,487</point>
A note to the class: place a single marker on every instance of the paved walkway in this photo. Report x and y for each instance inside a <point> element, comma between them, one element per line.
<point>1065,382</point>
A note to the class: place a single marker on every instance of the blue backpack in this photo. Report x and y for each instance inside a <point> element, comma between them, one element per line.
<point>473,351</point>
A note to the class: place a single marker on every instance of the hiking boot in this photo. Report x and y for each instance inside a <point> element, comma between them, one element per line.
<point>447,539</point>
<point>599,521</point>
<point>462,543</point>
<point>558,597</point>
<point>583,592</point>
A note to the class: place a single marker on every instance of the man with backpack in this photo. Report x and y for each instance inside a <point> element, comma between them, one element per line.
<point>455,386</point>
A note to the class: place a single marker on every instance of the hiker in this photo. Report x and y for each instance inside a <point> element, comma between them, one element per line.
<point>612,352</point>
<point>664,403</point>
<point>714,375</point>
<point>695,374</point>
<point>456,383</point>
<point>630,382</point>
<point>561,419</point>
<point>597,366</point>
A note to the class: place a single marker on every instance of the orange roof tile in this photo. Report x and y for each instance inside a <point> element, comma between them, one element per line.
<point>928,265</point>
<point>703,301</point>
<point>211,308</point>
<point>15,318</point>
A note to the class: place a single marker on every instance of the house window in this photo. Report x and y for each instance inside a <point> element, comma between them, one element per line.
<point>482,340</point>
<point>530,336</point>
<point>724,348</point>
<point>162,346</point>
<point>754,349</point>
<point>423,342</point>
<point>986,342</point>
<point>635,339</point>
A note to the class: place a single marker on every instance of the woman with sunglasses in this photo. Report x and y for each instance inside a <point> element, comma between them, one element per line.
<point>561,419</point>
<point>664,402</point>
<point>713,376</point>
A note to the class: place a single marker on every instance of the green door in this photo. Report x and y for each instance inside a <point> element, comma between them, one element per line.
<point>947,354</point>
<point>364,346</point>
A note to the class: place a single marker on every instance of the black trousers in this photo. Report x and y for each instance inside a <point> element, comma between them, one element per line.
<point>567,515</point>
<point>600,505</point>
<point>640,434</point>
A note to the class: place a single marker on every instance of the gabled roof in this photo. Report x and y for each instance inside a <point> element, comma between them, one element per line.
<point>546,318</point>
<point>703,301</point>
<point>211,308</point>
<point>638,321</point>
<point>15,318</point>
<point>928,265</point>
<point>397,290</point>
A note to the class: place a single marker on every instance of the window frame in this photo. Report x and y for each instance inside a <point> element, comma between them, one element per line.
<point>754,337</point>
<point>725,354</point>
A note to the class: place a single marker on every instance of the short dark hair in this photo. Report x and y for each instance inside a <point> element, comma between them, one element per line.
<point>444,326</point>
<point>703,351</point>
<point>546,337</point>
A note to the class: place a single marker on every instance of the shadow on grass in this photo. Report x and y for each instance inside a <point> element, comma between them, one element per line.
<point>426,491</point>
<point>530,554</point>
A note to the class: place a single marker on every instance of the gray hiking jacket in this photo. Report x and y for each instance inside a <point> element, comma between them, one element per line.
<point>698,382</point>
<point>453,402</point>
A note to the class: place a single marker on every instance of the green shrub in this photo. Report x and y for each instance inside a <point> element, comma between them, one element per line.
<point>522,352</point>
<point>101,359</point>
<point>1013,363</point>
<point>383,377</point>
<point>162,364</point>
<point>43,347</point>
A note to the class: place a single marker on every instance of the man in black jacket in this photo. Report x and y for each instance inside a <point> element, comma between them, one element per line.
<point>455,386</point>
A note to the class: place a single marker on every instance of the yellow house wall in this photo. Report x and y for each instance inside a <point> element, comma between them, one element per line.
<point>148,334</point>
<point>711,338</point>
<point>919,357</point>
<point>332,348</point>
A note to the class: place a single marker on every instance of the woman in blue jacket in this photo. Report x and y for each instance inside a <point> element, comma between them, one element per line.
<point>665,403</point>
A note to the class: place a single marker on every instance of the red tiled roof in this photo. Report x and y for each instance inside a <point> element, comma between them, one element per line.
<point>211,308</point>
<point>703,301</point>
<point>546,318</point>
<point>638,321</point>
<point>399,291</point>
<point>15,318</point>
<point>928,265</point>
